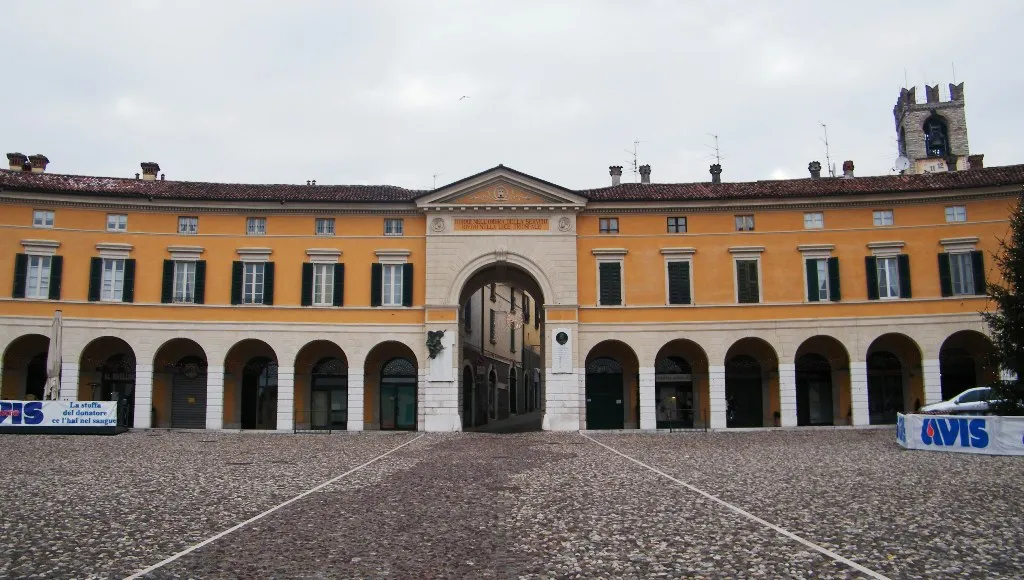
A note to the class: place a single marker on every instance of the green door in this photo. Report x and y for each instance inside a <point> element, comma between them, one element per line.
<point>604,392</point>
<point>398,395</point>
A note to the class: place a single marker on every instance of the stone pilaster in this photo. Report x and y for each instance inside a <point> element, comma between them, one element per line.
<point>648,410</point>
<point>68,381</point>
<point>787,395</point>
<point>143,395</point>
<point>356,397</point>
<point>563,400</point>
<point>716,400</point>
<point>285,398</point>
<point>440,387</point>
<point>215,397</point>
<point>859,393</point>
<point>932,375</point>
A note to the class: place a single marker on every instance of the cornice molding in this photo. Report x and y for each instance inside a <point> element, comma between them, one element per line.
<point>200,207</point>
<point>609,251</point>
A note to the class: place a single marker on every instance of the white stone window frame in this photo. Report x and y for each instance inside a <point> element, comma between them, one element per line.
<point>890,249</point>
<point>119,221</point>
<point>113,251</point>
<point>188,219</point>
<point>41,249</point>
<point>323,257</point>
<point>962,245</point>
<point>953,214</point>
<point>746,253</point>
<point>255,226</point>
<point>183,254</point>
<point>328,230</point>
<point>881,213</point>
<point>46,213</point>
<point>679,255</point>
<point>391,257</point>
<point>815,252</point>
<point>743,217</point>
<point>817,220</point>
<point>395,232</point>
<point>610,256</point>
<point>256,255</point>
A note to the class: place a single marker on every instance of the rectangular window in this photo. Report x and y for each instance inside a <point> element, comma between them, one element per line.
<point>493,324</point>
<point>325,226</point>
<point>821,270</point>
<point>882,217</point>
<point>252,282</point>
<point>394,227</point>
<point>956,213</point>
<point>526,309</point>
<point>112,288</point>
<point>494,295</point>
<point>679,282</point>
<point>961,271</point>
<point>814,220</point>
<point>677,225</point>
<point>392,285</point>
<point>608,225</point>
<point>744,223</point>
<point>256,226</point>
<point>888,277</point>
<point>323,284</point>
<point>37,284</point>
<point>747,284</point>
<point>188,225</point>
<point>610,283</point>
<point>511,338</point>
<point>117,222</point>
<point>512,300</point>
<point>184,283</point>
<point>42,218</point>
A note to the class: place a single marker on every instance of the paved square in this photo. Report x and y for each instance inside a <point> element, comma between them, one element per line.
<point>524,505</point>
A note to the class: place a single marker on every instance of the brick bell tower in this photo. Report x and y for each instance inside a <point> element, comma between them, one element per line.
<point>932,136</point>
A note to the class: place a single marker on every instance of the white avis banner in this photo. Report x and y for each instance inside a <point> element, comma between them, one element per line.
<point>959,434</point>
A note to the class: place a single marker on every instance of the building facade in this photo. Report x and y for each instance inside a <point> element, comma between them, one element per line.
<point>817,301</point>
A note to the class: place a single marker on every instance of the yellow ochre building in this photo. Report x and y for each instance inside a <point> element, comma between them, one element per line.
<point>818,301</point>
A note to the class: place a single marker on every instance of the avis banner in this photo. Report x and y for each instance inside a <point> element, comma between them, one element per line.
<point>986,435</point>
<point>57,414</point>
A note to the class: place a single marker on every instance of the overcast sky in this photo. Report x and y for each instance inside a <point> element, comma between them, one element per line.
<point>369,92</point>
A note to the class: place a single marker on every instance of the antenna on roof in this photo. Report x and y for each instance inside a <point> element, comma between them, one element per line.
<point>438,174</point>
<point>828,158</point>
<point>718,156</point>
<point>635,168</point>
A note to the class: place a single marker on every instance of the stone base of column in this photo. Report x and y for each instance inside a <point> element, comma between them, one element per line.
<point>444,423</point>
<point>716,396</point>
<point>68,381</point>
<point>215,397</point>
<point>563,401</point>
<point>787,395</point>
<point>859,393</point>
<point>648,412</point>
<point>356,392</point>
<point>143,396</point>
<point>932,375</point>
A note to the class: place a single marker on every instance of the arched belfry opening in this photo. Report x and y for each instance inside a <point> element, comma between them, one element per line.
<point>936,137</point>
<point>500,349</point>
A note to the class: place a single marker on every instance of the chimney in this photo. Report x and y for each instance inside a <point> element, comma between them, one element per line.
<point>976,161</point>
<point>39,162</point>
<point>716,173</point>
<point>645,174</point>
<point>149,170</point>
<point>16,161</point>
<point>847,169</point>
<point>616,172</point>
<point>815,168</point>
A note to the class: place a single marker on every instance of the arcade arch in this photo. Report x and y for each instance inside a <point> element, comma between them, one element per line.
<point>180,385</point>
<point>751,384</point>
<point>612,387</point>
<point>895,381</point>
<point>966,359</point>
<point>24,368</point>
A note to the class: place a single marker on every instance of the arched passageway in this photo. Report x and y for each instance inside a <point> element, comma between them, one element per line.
<point>24,371</point>
<point>895,383</point>
<point>321,387</point>
<point>392,390</point>
<point>823,383</point>
<point>681,388</point>
<point>179,385</point>
<point>250,386</point>
<point>612,387</point>
<point>107,373</point>
<point>966,359</point>
<point>751,384</point>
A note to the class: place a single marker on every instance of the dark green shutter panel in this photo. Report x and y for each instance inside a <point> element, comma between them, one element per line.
<point>20,275</point>
<point>753,290</point>
<point>56,276</point>
<point>945,276</point>
<point>746,282</point>
<point>339,284</point>
<point>812,280</point>
<point>307,284</point>
<point>268,283</point>
<point>128,291</point>
<point>376,284</point>
<point>406,284</point>
<point>871,271</point>
<point>678,282</point>
<point>978,269</point>
<point>903,261</point>
<point>201,282</point>
<point>834,293</point>
<point>167,286</point>
<point>95,278</point>
<point>741,282</point>
<point>237,275</point>
<point>611,283</point>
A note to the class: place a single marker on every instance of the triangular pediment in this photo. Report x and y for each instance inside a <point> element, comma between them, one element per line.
<point>501,186</point>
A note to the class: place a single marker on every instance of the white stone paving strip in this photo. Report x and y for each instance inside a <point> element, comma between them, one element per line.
<point>237,527</point>
<point>866,571</point>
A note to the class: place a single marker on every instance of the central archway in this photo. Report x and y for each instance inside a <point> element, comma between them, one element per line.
<point>500,346</point>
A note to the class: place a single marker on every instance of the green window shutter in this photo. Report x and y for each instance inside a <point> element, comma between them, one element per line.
<point>978,269</point>
<point>56,276</point>
<point>128,291</point>
<point>755,293</point>
<point>406,284</point>
<point>167,285</point>
<point>812,280</point>
<point>903,261</point>
<point>611,283</point>
<point>945,276</point>
<point>268,283</point>
<point>376,284</point>
<point>834,292</point>
<point>746,282</point>
<point>741,282</point>
<point>339,284</point>
<point>237,276</point>
<point>871,271</point>
<point>20,275</point>
<point>95,278</point>
<point>679,283</point>
<point>200,282</point>
<point>307,284</point>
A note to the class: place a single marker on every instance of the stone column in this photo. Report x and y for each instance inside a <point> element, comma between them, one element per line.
<point>648,411</point>
<point>356,394</point>
<point>564,380</point>
<point>439,386</point>
<point>932,382</point>
<point>787,395</point>
<point>859,393</point>
<point>143,395</point>
<point>68,381</point>
<point>285,398</point>
<point>716,396</point>
<point>215,397</point>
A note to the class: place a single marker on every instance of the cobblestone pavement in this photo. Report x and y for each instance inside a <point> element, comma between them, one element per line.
<point>533,505</point>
